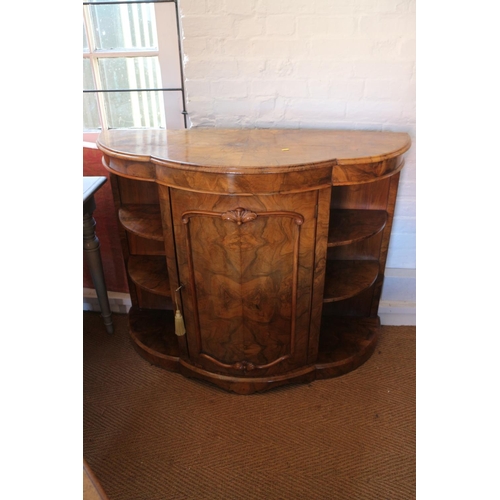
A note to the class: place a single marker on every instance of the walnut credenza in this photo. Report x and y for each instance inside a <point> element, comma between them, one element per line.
<point>271,243</point>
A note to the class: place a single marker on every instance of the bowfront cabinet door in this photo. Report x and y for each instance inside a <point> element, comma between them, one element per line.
<point>246,264</point>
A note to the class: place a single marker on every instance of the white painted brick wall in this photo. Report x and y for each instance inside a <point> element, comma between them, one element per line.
<point>346,64</point>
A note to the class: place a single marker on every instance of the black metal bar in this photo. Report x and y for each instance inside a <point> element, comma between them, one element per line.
<point>134,90</point>
<point>184,112</point>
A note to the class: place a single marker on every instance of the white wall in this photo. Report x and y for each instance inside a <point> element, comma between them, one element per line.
<point>346,64</point>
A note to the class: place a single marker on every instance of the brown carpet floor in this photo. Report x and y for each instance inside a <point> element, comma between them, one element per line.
<point>153,435</point>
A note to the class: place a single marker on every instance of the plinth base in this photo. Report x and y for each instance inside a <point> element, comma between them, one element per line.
<point>345,344</point>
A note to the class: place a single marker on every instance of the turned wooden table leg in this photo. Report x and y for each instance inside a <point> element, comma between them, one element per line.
<point>91,247</point>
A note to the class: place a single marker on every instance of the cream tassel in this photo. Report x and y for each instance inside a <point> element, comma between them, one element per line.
<point>180,328</point>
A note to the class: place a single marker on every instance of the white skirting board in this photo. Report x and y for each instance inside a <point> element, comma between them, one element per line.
<point>397,313</point>
<point>118,302</point>
<point>398,302</point>
<point>397,306</point>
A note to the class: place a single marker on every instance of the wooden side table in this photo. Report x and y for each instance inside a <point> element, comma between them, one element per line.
<point>91,246</point>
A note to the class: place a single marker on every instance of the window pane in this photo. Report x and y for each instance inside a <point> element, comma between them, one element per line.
<point>85,42</point>
<point>130,73</point>
<point>124,26</point>
<point>90,113</point>
<point>88,81</point>
<point>135,109</point>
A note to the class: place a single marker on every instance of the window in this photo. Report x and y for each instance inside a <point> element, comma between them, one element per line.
<point>132,73</point>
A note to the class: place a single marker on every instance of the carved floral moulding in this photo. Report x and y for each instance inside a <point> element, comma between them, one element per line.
<point>241,215</point>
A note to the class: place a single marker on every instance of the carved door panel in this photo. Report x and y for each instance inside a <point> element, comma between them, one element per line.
<point>247,266</point>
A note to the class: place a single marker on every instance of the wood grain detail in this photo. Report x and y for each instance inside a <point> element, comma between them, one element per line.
<point>350,226</point>
<point>320,260</point>
<point>150,273</point>
<point>245,384</point>
<point>143,246</point>
<point>152,333</point>
<point>244,366</point>
<point>347,278</point>
<point>130,169</point>
<point>253,161</point>
<point>251,150</point>
<point>242,291</point>
<point>142,220</point>
<point>345,344</point>
<point>348,173</point>
<point>241,215</point>
<point>261,181</point>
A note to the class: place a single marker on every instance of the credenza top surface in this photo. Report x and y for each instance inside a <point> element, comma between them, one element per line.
<point>253,148</point>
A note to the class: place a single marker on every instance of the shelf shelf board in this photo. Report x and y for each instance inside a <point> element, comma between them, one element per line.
<point>345,343</point>
<point>349,226</point>
<point>149,272</point>
<point>346,278</point>
<point>152,332</point>
<point>142,220</point>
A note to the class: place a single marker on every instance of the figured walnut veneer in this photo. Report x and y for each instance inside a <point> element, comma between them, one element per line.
<point>345,279</point>
<point>272,243</point>
<point>142,220</point>
<point>149,273</point>
<point>350,226</point>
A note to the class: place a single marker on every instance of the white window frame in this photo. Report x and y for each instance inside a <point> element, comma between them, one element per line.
<point>169,57</point>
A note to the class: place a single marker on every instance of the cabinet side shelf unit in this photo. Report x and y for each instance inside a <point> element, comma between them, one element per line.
<point>347,278</point>
<point>345,343</point>
<point>349,226</point>
<point>150,273</point>
<point>152,334</point>
<point>142,220</point>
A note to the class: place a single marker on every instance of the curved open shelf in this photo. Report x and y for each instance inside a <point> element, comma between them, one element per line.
<point>348,226</point>
<point>152,331</point>
<point>347,278</point>
<point>142,220</point>
<point>149,272</point>
<point>344,344</point>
